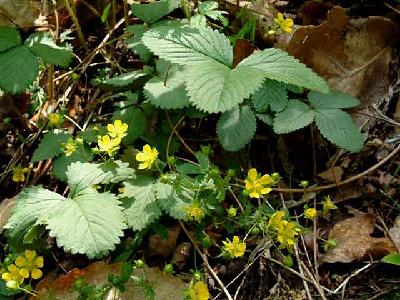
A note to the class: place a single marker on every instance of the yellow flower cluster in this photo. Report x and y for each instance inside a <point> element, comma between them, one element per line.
<point>19,173</point>
<point>286,231</point>
<point>110,142</point>
<point>198,291</point>
<point>310,213</point>
<point>257,185</point>
<point>71,145</point>
<point>285,24</point>
<point>236,248</point>
<point>147,157</point>
<point>24,267</point>
<point>55,119</point>
<point>328,205</point>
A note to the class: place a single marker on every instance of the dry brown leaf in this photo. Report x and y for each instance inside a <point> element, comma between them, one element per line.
<point>24,13</point>
<point>6,207</point>
<point>355,242</point>
<point>164,247</point>
<point>166,286</point>
<point>354,56</point>
<point>333,174</point>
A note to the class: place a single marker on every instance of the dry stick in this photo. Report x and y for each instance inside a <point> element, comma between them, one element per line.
<point>237,200</point>
<point>296,251</point>
<point>316,284</point>
<point>340,183</point>
<point>72,12</point>
<point>205,260</point>
<point>344,283</point>
<point>387,231</point>
<point>179,136</point>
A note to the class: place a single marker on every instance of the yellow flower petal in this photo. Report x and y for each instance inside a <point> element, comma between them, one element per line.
<point>20,261</point>
<point>36,274</point>
<point>7,276</point>
<point>39,262</point>
<point>30,255</point>
<point>24,272</point>
<point>252,174</point>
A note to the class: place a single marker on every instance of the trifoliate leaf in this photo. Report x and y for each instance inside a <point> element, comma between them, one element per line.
<point>167,89</point>
<point>33,204</point>
<point>136,120</point>
<point>90,223</point>
<point>332,100</point>
<point>339,128</point>
<point>9,37</point>
<point>50,146</point>
<point>61,163</point>
<point>188,45</point>
<point>152,12</point>
<point>18,69</point>
<point>236,128</point>
<point>169,201</point>
<point>273,94</point>
<point>214,87</point>
<point>135,42</point>
<point>278,65</point>
<point>44,47</point>
<point>83,175</point>
<point>144,209</point>
<point>296,115</point>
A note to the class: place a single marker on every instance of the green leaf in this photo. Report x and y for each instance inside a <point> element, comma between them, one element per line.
<point>214,87</point>
<point>266,118</point>
<point>61,163</point>
<point>19,68</point>
<point>273,94</point>
<point>169,201</point>
<point>90,223</point>
<point>135,42</point>
<point>167,90</point>
<point>332,100</point>
<point>392,258</point>
<point>207,6</point>
<point>83,175</point>
<point>152,12</point>
<point>339,128</point>
<point>296,115</point>
<point>236,128</point>
<point>278,65</point>
<point>50,146</point>
<point>130,80</point>
<point>188,45</point>
<point>9,37</point>
<point>136,120</point>
<point>44,47</point>
<point>144,210</point>
<point>33,205</point>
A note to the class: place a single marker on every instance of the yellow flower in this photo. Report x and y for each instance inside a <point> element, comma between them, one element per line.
<point>54,119</point>
<point>69,147</point>
<point>310,213</point>
<point>108,145</point>
<point>30,264</point>
<point>234,248</point>
<point>276,220</point>
<point>195,212</point>
<point>257,185</point>
<point>13,277</point>
<point>328,205</point>
<point>147,157</point>
<point>19,173</point>
<point>285,24</point>
<point>199,291</point>
<point>118,129</point>
<point>287,234</point>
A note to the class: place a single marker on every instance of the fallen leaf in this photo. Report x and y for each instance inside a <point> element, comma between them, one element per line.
<point>24,13</point>
<point>355,242</point>
<point>164,247</point>
<point>333,174</point>
<point>6,207</point>
<point>166,286</point>
<point>354,56</point>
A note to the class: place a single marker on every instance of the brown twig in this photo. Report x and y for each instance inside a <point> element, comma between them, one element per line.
<point>179,136</point>
<point>205,260</point>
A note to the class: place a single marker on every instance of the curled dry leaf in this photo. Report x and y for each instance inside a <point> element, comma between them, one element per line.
<point>166,286</point>
<point>355,242</point>
<point>164,247</point>
<point>6,207</point>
